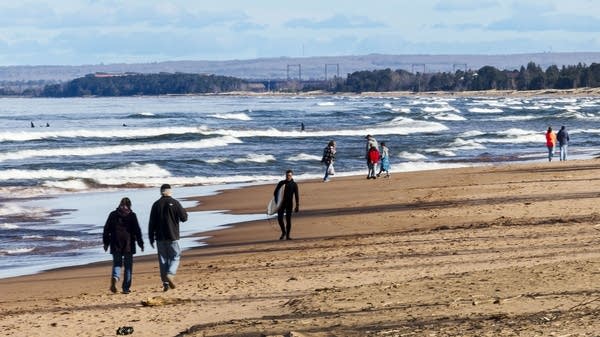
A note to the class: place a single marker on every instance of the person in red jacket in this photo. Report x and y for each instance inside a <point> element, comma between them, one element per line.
<point>550,142</point>
<point>373,156</point>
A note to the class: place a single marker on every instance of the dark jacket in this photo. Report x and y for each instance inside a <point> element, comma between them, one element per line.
<point>290,191</point>
<point>328,155</point>
<point>563,137</point>
<point>164,219</point>
<point>121,232</point>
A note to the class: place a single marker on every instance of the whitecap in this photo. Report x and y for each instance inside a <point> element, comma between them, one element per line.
<point>304,157</point>
<point>516,118</point>
<point>438,109</point>
<point>8,226</point>
<point>472,133</point>
<point>412,156</point>
<point>130,173</point>
<point>325,103</point>
<point>485,110</point>
<point>103,150</point>
<point>16,251</point>
<point>462,144</point>
<point>255,158</point>
<point>449,117</point>
<point>237,116</point>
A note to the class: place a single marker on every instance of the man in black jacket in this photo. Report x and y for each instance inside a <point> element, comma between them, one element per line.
<point>165,215</point>
<point>290,191</point>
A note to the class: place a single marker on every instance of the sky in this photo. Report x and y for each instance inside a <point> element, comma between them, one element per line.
<point>78,32</point>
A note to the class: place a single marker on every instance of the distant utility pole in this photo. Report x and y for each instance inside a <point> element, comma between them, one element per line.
<point>337,69</point>
<point>457,65</point>
<point>415,65</point>
<point>299,71</point>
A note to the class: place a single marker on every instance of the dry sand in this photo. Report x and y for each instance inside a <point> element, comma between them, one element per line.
<point>508,250</point>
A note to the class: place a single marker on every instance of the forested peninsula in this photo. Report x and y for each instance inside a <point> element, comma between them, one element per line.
<point>531,77</point>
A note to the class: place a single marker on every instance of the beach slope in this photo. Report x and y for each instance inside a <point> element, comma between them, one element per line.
<point>508,250</point>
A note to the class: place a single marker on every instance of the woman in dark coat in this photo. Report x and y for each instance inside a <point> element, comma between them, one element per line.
<point>121,232</point>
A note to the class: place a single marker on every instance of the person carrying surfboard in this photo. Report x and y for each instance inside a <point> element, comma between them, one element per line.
<point>290,193</point>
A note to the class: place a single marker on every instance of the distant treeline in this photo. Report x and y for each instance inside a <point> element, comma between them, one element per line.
<point>531,77</point>
<point>143,84</point>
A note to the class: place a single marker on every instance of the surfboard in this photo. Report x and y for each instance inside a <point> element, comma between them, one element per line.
<point>275,203</point>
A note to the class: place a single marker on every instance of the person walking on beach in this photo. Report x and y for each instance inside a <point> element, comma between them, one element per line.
<point>373,160</point>
<point>290,193</point>
<point>371,141</point>
<point>385,161</point>
<point>328,159</point>
<point>163,227</point>
<point>121,232</point>
<point>563,141</point>
<point>550,142</point>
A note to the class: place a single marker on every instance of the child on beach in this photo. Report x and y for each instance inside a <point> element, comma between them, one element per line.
<point>121,232</point>
<point>373,157</point>
<point>385,161</point>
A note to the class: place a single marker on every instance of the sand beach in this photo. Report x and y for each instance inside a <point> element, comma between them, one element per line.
<point>502,250</point>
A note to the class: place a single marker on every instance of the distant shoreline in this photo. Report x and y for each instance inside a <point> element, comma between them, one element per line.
<point>579,92</point>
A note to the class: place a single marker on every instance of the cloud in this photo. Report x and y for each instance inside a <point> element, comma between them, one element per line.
<point>244,26</point>
<point>335,22</point>
<point>101,15</point>
<point>464,5</point>
<point>553,22</point>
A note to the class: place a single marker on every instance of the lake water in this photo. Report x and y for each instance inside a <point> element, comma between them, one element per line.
<point>84,154</point>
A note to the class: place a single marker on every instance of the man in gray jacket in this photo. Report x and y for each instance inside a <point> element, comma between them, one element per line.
<point>165,215</point>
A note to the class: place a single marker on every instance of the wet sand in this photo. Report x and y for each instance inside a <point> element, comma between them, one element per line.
<point>505,250</point>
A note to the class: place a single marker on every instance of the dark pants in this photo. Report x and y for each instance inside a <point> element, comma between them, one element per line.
<point>285,230</point>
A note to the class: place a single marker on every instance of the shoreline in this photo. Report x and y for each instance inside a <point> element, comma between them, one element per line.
<point>485,241</point>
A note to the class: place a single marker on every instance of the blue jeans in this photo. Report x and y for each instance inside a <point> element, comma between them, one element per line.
<point>326,171</point>
<point>125,260</point>
<point>563,152</point>
<point>550,152</point>
<point>168,258</point>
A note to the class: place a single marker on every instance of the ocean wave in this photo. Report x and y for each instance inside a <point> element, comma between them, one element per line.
<point>255,158</point>
<point>8,226</point>
<point>304,157</point>
<point>512,135</point>
<point>462,144</point>
<point>442,152</point>
<point>471,133</point>
<point>103,150</point>
<point>64,238</point>
<point>403,110</point>
<point>124,132</point>
<point>16,251</point>
<point>516,118</point>
<point>439,109</point>
<point>143,115</point>
<point>486,110</point>
<point>326,103</point>
<point>411,156</point>
<point>422,166</point>
<point>108,176</point>
<point>237,116</point>
<point>398,126</point>
<point>449,117</point>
